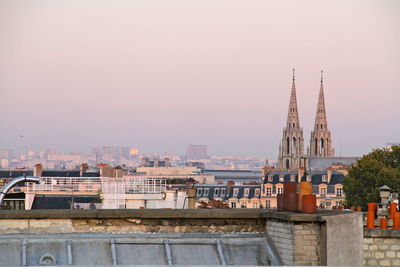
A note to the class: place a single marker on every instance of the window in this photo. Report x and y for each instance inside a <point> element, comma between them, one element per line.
<point>216,192</point>
<point>339,192</point>
<point>270,178</point>
<point>292,178</point>
<point>223,192</point>
<point>206,191</point>
<point>255,205</point>
<point>235,191</point>
<point>199,191</point>
<point>268,204</point>
<point>322,191</point>
<point>233,205</point>
<point>269,191</point>
<point>243,205</point>
<point>308,178</point>
<point>281,178</point>
<point>246,192</point>
<point>324,178</point>
<point>257,192</point>
<point>280,190</point>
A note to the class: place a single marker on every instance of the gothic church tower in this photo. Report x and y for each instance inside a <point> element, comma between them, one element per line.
<point>320,141</point>
<point>291,148</point>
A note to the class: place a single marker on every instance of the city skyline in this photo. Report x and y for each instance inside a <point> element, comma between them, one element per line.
<point>160,76</point>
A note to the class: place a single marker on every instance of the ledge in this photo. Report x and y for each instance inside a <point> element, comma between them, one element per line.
<point>384,233</point>
<point>169,214</point>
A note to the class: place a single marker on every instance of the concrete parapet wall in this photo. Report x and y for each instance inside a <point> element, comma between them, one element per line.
<point>300,239</point>
<point>381,247</point>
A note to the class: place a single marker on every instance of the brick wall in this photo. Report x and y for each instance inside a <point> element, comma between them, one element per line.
<point>381,247</point>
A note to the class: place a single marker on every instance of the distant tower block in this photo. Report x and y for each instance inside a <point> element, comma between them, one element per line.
<point>291,148</point>
<point>196,152</point>
<point>320,141</point>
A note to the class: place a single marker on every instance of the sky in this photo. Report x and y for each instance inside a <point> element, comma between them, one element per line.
<point>160,75</point>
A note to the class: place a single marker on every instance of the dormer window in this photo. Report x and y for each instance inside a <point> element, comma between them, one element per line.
<point>216,192</point>
<point>270,177</point>
<point>246,192</point>
<point>309,178</point>
<point>206,192</point>
<point>257,192</point>
<point>223,192</point>
<point>235,191</point>
<point>199,192</point>
<point>292,178</point>
<point>281,178</point>
<point>324,178</point>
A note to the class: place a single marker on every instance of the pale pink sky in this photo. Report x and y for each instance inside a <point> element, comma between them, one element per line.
<point>159,75</point>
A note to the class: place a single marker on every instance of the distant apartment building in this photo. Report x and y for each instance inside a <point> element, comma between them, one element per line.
<point>7,154</point>
<point>174,173</point>
<point>156,162</point>
<point>109,154</point>
<point>327,186</point>
<point>196,152</point>
<point>141,193</point>
<point>236,196</point>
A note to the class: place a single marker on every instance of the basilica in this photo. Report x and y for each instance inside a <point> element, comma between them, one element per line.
<point>291,148</point>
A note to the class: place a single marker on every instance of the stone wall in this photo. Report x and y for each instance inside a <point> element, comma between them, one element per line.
<point>297,243</point>
<point>307,244</point>
<point>381,247</point>
<point>299,239</point>
<point>281,234</point>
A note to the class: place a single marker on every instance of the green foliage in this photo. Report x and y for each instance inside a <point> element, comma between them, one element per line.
<point>378,168</point>
<point>180,180</point>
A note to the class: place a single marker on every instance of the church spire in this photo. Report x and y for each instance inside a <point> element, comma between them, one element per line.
<point>321,143</point>
<point>320,116</point>
<point>291,148</point>
<point>293,115</point>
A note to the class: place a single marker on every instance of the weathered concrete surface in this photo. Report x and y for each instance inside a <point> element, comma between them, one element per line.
<point>342,240</point>
<point>333,238</point>
<point>165,214</point>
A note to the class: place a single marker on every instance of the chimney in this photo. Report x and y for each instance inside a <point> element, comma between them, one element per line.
<point>329,172</point>
<point>167,162</point>
<point>192,198</point>
<point>229,186</point>
<point>300,173</point>
<point>37,170</point>
<point>265,171</point>
<point>83,169</point>
<point>118,172</point>
<point>106,171</point>
<point>144,161</point>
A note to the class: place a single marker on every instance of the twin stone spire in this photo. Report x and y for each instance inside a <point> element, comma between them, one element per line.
<point>291,148</point>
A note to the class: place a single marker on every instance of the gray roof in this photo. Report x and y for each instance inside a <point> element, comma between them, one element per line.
<point>137,249</point>
<point>322,163</point>
<point>221,191</point>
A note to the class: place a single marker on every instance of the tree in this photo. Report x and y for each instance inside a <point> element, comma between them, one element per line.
<point>378,168</point>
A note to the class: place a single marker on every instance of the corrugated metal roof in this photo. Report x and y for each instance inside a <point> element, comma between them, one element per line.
<point>138,249</point>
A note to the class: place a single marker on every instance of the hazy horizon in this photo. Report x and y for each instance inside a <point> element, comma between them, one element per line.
<point>160,75</point>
